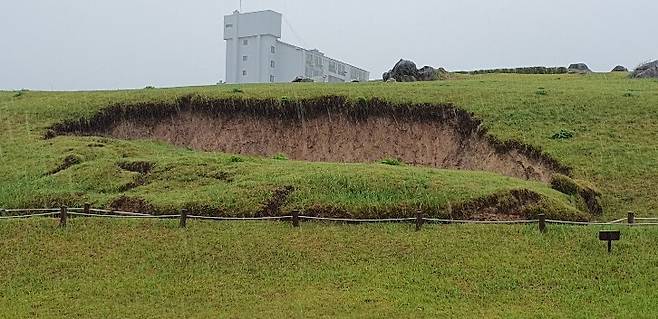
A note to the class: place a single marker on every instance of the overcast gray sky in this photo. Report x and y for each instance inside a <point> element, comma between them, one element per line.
<point>83,44</point>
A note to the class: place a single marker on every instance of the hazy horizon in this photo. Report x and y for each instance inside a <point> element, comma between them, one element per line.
<point>83,45</point>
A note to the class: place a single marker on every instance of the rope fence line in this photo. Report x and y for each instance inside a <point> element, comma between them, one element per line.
<point>501,222</point>
<point>63,213</point>
<point>124,216</point>
<point>118,212</point>
<point>617,220</point>
<point>30,210</point>
<point>567,222</point>
<point>30,215</point>
<point>358,220</point>
<point>238,218</point>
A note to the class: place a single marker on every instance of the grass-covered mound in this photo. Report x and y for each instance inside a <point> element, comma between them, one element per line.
<point>602,126</point>
<point>155,177</point>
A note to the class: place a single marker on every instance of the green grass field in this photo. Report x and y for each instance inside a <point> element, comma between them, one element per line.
<point>151,269</point>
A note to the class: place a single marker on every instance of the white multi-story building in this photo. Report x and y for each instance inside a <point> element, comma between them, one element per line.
<point>254,54</point>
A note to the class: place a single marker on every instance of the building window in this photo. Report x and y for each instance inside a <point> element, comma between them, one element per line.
<point>272,49</point>
<point>341,69</point>
<point>245,42</point>
<point>244,72</point>
<point>272,64</point>
<point>272,78</point>
<point>244,58</point>
<point>332,66</point>
<point>229,26</point>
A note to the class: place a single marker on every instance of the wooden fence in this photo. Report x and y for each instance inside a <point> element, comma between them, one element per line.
<point>63,213</point>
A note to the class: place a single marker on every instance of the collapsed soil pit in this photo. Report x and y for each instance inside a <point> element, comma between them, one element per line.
<point>326,129</point>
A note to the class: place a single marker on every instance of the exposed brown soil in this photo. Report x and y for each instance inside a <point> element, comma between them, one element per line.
<point>588,193</point>
<point>139,180</point>
<point>141,167</point>
<point>69,160</point>
<point>328,129</point>
<point>131,204</point>
<point>516,204</point>
<point>279,198</point>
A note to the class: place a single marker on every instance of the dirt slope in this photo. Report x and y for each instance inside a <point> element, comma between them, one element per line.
<point>328,129</point>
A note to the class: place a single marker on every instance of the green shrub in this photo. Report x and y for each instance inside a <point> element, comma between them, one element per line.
<point>522,70</point>
<point>235,159</point>
<point>280,157</point>
<point>391,161</point>
<point>562,134</point>
<point>237,90</point>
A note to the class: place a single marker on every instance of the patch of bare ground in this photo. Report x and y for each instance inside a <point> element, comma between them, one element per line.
<point>513,205</point>
<point>142,168</point>
<point>69,161</point>
<point>131,204</point>
<point>272,207</point>
<point>327,129</point>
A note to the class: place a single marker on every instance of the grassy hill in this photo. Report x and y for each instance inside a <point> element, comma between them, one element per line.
<point>611,117</point>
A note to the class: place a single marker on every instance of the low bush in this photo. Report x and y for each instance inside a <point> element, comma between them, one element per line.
<point>280,157</point>
<point>391,161</point>
<point>562,134</point>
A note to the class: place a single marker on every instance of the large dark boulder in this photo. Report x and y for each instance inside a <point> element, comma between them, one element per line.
<point>406,71</point>
<point>647,70</point>
<point>402,71</point>
<point>579,68</point>
<point>427,73</point>
<point>620,68</point>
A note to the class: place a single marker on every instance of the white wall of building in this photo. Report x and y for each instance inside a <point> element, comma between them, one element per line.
<point>289,61</point>
<point>255,55</point>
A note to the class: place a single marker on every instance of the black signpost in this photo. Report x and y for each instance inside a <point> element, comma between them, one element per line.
<point>609,236</point>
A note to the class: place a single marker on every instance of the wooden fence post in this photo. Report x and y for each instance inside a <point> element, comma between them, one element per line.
<point>87,208</point>
<point>419,220</point>
<point>63,216</point>
<point>631,217</point>
<point>295,218</point>
<point>542,223</point>
<point>183,218</point>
